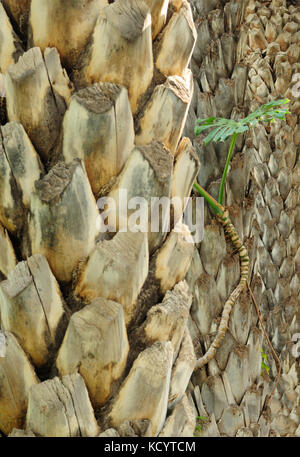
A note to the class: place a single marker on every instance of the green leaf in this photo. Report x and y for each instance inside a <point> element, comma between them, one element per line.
<point>211,136</point>
<point>207,120</point>
<point>264,366</point>
<point>202,418</point>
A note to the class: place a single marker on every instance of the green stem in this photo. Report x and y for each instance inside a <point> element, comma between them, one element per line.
<point>210,200</point>
<point>223,182</point>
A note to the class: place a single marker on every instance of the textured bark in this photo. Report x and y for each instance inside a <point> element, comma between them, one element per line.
<point>139,79</point>
<point>33,101</point>
<point>101,364</point>
<point>262,212</point>
<point>65,25</point>
<point>98,128</point>
<point>10,44</point>
<point>121,49</point>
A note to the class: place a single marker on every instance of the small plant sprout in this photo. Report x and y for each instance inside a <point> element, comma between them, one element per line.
<point>264,364</point>
<point>200,420</point>
<point>222,129</point>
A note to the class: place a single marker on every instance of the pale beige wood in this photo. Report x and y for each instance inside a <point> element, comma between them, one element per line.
<point>96,345</point>
<point>159,10</point>
<point>185,172</point>
<point>176,4</point>
<point>186,160</point>
<point>63,222</point>
<point>64,24</point>
<point>61,86</point>
<point>31,307</point>
<point>165,113</point>
<point>98,128</point>
<point>17,433</point>
<point>231,420</point>
<point>34,102</point>
<point>177,43</point>
<point>167,321</point>
<point>254,345</point>
<point>121,49</point>
<point>87,423</point>
<point>214,396</point>
<point>144,393</point>
<point>182,370</point>
<point>146,174</point>
<point>14,388</point>
<point>8,260</point>
<point>10,44</point>
<point>61,408</point>
<point>24,162</point>
<point>168,266</point>
<point>11,209</point>
<point>237,370</point>
<point>207,304</point>
<point>18,11</point>
<point>173,259</point>
<point>116,270</point>
<point>181,422</point>
<point>109,433</point>
<point>2,85</point>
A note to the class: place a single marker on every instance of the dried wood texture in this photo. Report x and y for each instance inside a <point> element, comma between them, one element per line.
<point>31,308</point>
<point>173,259</point>
<point>264,213</point>
<point>98,128</point>
<point>147,174</point>
<point>18,12</point>
<point>14,388</point>
<point>64,24</point>
<point>11,208</point>
<point>63,222</point>
<point>124,260</point>
<point>177,43</point>
<point>23,160</point>
<point>10,44</point>
<point>159,10</point>
<point>32,98</point>
<point>167,321</point>
<point>139,399</point>
<point>61,408</point>
<point>182,420</point>
<point>182,370</point>
<point>164,115</point>
<point>121,49</point>
<point>185,159</point>
<point>8,260</point>
<point>95,345</point>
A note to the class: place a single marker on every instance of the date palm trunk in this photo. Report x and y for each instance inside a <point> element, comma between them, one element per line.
<point>106,329</point>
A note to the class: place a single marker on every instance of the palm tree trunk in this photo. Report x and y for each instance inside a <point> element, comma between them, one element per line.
<point>244,56</point>
<point>107,328</point>
<point>96,104</point>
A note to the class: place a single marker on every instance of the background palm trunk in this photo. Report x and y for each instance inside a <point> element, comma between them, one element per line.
<point>244,56</point>
<point>106,329</point>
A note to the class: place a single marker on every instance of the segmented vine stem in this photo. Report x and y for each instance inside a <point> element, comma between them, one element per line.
<point>231,232</point>
<point>224,176</point>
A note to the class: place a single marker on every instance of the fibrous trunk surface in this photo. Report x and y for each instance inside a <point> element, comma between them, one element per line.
<point>100,333</point>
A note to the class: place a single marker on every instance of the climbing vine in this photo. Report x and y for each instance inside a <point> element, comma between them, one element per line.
<point>220,130</point>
